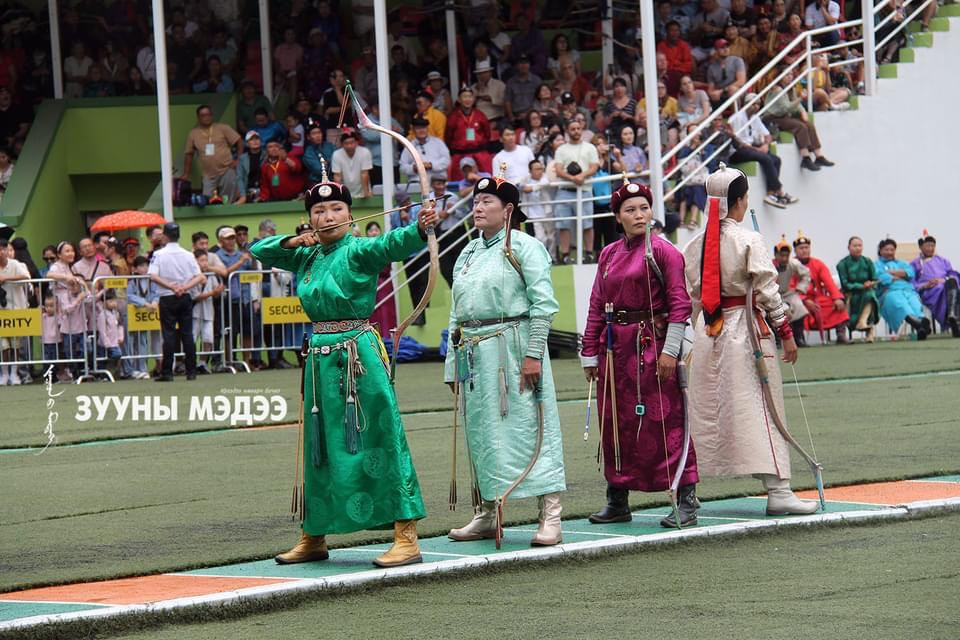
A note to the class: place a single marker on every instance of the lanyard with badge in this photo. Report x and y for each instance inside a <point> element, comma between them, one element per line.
<point>208,149</point>
<point>275,178</point>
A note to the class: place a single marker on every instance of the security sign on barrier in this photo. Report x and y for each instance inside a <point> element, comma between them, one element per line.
<point>18,323</point>
<point>251,278</point>
<point>142,319</point>
<point>115,283</point>
<point>282,311</point>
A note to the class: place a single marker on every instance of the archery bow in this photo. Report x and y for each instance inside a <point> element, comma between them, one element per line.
<point>364,122</point>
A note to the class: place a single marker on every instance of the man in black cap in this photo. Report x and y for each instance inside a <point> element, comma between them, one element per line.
<point>176,272</point>
<point>521,91</point>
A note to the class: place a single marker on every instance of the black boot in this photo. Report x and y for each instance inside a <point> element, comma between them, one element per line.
<point>798,337</point>
<point>953,307</point>
<point>687,505</point>
<point>920,325</point>
<point>617,509</point>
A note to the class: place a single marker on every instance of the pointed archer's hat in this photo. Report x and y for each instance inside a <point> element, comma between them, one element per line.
<point>718,187</point>
<point>503,189</point>
<point>326,191</point>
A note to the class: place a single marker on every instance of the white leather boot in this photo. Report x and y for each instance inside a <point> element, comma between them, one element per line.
<point>483,525</point>
<point>549,533</point>
<point>782,502</point>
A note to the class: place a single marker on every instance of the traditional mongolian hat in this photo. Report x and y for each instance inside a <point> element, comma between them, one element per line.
<point>926,237</point>
<point>783,245</point>
<point>801,239</point>
<point>718,187</point>
<point>326,191</point>
<point>629,190</point>
<point>503,189</point>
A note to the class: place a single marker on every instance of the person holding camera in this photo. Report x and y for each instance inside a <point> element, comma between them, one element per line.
<point>575,161</point>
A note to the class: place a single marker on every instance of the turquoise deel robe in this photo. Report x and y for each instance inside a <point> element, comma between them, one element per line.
<point>486,286</point>
<point>898,299</point>
<point>376,486</point>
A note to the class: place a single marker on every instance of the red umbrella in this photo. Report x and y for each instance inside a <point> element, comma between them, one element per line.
<point>127,220</point>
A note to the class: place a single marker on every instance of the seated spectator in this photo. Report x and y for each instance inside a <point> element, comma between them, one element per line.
<point>889,52</point>
<point>899,301</point>
<point>568,110</point>
<point>857,273</point>
<point>317,152</point>
<point>490,92</point>
<point>516,157</point>
<point>751,142</point>
<point>575,162</point>
<point>621,109</point>
<point>521,91</point>
<point>766,44</point>
<point>223,48</point>
<point>363,73</point>
<point>6,170</point>
<point>436,120</point>
<point>295,134</point>
<point>787,112</point>
<point>267,128</point>
<point>726,74</point>
<point>468,134</point>
<point>371,140</point>
<point>744,18</point>
<point>137,85</point>
<point>499,44</point>
<point>794,281</point>
<point>437,85</point>
<point>214,141</point>
<point>668,106</point>
<point>351,165</point>
<point>574,83</point>
<point>677,51</point>
<point>328,22</point>
<point>248,169</point>
<point>216,81</point>
<point>15,120</point>
<point>247,105</point>
<point>740,46</point>
<point>115,65</point>
<point>544,102</point>
<point>281,175</point>
<point>826,97</point>
<point>76,69</point>
<point>528,43</point>
<point>97,86</point>
<point>396,37</point>
<point>146,61</point>
<point>627,157</point>
<point>779,16</point>
<point>288,58</point>
<point>693,105</point>
<point>823,13</point>
<point>452,235</point>
<point>534,133</point>
<point>401,67</point>
<point>434,152</point>
<point>937,282</point>
<point>706,27</point>
<point>468,169</point>
<point>791,34</point>
<point>824,301</point>
<point>187,60</point>
<point>560,50</point>
<point>319,60</point>
<point>693,194</point>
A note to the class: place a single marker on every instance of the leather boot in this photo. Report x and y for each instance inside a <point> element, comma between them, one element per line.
<point>798,337</point>
<point>308,549</point>
<point>842,335</point>
<point>953,307</point>
<point>782,502</point>
<point>405,549</point>
<point>617,509</point>
<point>549,533</point>
<point>687,506</point>
<point>483,526</point>
<point>920,325</point>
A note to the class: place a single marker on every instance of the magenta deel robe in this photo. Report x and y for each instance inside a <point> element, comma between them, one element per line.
<point>622,279</point>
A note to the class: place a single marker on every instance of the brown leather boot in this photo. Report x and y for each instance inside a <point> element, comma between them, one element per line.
<point>308,549</point>
<point>549,533</point>
<point>405,549</point>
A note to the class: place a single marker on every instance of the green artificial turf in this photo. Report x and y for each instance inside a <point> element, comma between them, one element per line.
<point>894,580</point>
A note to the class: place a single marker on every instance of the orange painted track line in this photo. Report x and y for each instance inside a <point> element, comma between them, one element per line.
<point>144,589</point>
<point>891,493</point>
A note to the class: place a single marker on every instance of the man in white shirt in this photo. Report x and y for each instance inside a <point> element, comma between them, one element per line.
<point>517,157</point>
<point>435,154</point>
<point>176,272</point>
<point>147,63</point>
<point>751,139</point>
<point>823,13</point>
<point>352,164</point>
<point>575,161</point>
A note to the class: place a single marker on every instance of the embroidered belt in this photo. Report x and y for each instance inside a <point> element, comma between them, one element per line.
<point>476,324</point>
<point>327,349</point>
<point>338,326</point>
<point>634,316</point>
<point>729,302</point>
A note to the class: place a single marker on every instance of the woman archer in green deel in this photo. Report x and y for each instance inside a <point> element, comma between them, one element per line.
<point>356,465</point>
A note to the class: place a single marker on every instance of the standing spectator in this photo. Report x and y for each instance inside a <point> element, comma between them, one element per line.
<point>288,56</point>
<point>328,22</point>
<point>471,176</point>
<point>281,175</point>
<point>115,258</point>
<point>76,68</point>
<point>468,134</point>
<point>214,141</point>
<point>827,306</point>
<point>535,191</point>
<point>937,282</point>
<point>823,13</point>
<point>575,162</point>
<point>434,152</point>
<point>858,283</point>
<point>147,62</point>
<point>156,239</point>
<point>490,93</point>
<point>396,38</point>
<point>216,81</point>
<point>131,249</point>
<point>115,65</point>
<point>248,104</point>
<point>50,332</point>
<point>331,102</point>
<point>90,268</point>
<point>49,256</point>
<point>726,74</point>
<point>70,290</point>
<point>899,301</point>
<point>693,105</point>
<point>317,152</point>
<point>605,225</point>
<point>110,336</point>
<point>787,112</point>
<point>352,163</point>
<point>751,140</point>
<point>371,140</point>
<point>364,73</point>
<point>248,169</point>
<point>450,230</point>
<point>436,121</point>
<point>678,53</point>
<point>12,296</point>
<point>267,128</point>
<point>516,157</point>
<point>175,271</point>
<point>243,307</point>
<point>499,44</point>
<point>521,91</point>
<point>203,312</point>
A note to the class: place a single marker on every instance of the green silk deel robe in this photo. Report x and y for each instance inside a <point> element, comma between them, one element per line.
<point>486,286</point>
<point>853,273</point>
<point>377,485</point>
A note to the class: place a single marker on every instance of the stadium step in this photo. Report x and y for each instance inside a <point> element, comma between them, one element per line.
<point>936,24</point>
<point>949,11</point>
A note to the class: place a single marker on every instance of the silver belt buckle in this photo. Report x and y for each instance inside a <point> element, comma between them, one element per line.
<point>325,350</point>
